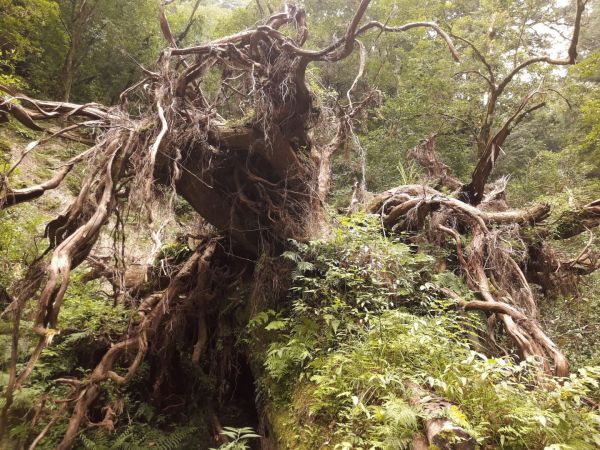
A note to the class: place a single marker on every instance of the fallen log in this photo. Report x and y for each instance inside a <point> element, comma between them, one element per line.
<point>440,430</point>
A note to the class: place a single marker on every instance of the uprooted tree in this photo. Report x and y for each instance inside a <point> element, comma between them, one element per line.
<point>260,182</point>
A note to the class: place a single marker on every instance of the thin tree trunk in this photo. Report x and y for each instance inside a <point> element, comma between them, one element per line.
<point>67,74</point>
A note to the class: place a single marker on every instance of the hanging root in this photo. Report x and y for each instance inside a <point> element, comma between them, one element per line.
<point>193,275</point>
<point>73,236</point>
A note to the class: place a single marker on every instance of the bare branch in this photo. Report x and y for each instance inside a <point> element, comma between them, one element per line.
<point>571,52</point>
<point>189,24</point>
<point>480,57</point>
<point>478,73</point>
<point>329,53</point>
<point>164,24</point>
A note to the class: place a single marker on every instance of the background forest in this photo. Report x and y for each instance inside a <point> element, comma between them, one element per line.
<point>367,323</point>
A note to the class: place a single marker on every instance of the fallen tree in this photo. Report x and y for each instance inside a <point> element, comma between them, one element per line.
<point>259,181</point>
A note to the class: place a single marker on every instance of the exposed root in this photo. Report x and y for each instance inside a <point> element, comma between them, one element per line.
<point>192,275</point>
<point>488,265</point>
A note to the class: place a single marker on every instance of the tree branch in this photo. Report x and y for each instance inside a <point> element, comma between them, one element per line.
<point>189,24</point>
<point>571,52</point>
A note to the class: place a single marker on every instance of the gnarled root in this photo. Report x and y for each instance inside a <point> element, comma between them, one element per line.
<point>192,276</point>
<point>488,266</point>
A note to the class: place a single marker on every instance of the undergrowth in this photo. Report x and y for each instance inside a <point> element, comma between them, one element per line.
<point>365,318</point>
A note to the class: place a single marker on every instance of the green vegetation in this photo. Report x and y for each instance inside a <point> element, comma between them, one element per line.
<point>244,327</point>
<point>364,322</point>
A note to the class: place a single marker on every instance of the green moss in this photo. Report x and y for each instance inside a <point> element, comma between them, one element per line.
<point>176,251</point>
<point>5,147</point>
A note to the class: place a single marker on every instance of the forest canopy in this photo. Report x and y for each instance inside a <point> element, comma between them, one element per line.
<point>366,224</point>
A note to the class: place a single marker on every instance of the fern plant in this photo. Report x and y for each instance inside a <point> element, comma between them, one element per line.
<point>340,354</point>
<point>135,438</point>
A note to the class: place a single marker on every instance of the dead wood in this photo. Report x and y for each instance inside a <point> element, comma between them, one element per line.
<point>439,173</point>
<point>440,431</point>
